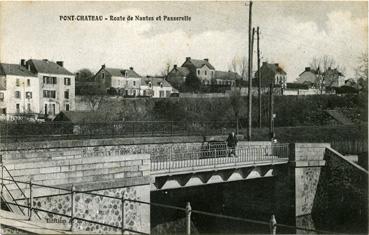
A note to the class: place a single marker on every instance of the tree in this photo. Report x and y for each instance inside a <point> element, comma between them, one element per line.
<point>239,65</point>
<point>84,75</point>
<point>324,66</point>
<point>235,100</point>
<point>94,95</point>
<point>166,69</point>
<point>361,71</point>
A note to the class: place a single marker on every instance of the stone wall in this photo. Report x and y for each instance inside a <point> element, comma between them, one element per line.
<point>101,209</point>
<point>108,170</point>
<point>342,195</point>
<point>306,161</point>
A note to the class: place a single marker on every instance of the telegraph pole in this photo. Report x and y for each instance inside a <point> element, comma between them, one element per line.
<point>259,74</point>
<point>249,75</point>
<point>271,111</point>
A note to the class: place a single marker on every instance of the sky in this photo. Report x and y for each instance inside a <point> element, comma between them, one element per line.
<point>292,33</point>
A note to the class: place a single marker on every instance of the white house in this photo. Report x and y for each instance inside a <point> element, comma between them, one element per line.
<point>123,81</point>
<point>19,91</point>
<point>57,86</point>
<point>155,87</point>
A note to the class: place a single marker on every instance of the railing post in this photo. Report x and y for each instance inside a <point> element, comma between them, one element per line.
<point>273,225</point>
<point>133,128</point>
<point>30,201</point>
<point>123,215</point>
<point>171,128</point>
<point>170,158</point>
<point>72,194</point>
<point>188,218</point>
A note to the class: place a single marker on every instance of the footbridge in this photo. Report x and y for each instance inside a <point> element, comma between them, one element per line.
<point>216,166</point>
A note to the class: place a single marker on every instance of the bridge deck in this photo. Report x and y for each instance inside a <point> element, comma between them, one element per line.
<point>220,159</point>
<point>211,164</point>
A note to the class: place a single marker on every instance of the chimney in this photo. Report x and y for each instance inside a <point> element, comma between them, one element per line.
<point>60,63</point>
<point>23,62</point>
<point>188,58</point>
<point>206,59</point>
<point>307,69</point>
<point>131,68</point>
<point>175,66</point>
<point>103,66</point>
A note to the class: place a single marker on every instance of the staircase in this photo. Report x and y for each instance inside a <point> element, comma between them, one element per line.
<point>339,117</point>
<point>13,223</point>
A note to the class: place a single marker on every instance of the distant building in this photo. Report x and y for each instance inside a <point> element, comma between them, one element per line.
<point>124,82</point>
<point>201,70</point>
<point>57,86</point>
<point>19,91</point>
<point>309,77</point>
<point>328,79</point>
<point>155,87</point>
<point>271,73</point>
<point>333,78</point>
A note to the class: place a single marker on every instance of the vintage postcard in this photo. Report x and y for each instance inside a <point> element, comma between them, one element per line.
<point>183,117</point>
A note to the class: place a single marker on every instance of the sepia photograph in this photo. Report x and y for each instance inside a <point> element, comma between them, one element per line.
<point>184,117</point>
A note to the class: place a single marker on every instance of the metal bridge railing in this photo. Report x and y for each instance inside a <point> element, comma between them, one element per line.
<point>218,157</point>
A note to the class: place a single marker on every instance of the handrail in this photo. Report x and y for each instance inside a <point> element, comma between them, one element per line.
<point>4,167</point>
<point>78,218</point>
<point>13,199</point>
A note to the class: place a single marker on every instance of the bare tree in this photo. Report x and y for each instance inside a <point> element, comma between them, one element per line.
<point>93,95</point>
<point>239,65</point>
<point>324,67</point>
<point>361,71</point>
<point>236,103</point>
<point>166,69</point>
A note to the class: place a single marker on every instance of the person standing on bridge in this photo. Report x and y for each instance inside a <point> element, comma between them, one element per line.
<point>232,143</point>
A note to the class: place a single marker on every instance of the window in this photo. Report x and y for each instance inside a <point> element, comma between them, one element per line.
<point>1,96</point>
<point>66,107</point>
<point>49,80</point>
<point>28,95</point>
<point>161,85</point>
<point>49,94</point>
<point>66,94</point>
<point>28,82</point>
<point>17,94</point>
<point>3,111</point>
<point>134,83</point>
<point>28,107</point>
<point>198,72</point>
<point>17,108</point>
<point>206,72</point>
<point>150,84</point>
<point>103,75</point>
<point>17,82</point>
<point>67,81</point>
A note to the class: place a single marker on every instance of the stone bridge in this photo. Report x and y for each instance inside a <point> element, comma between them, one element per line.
<point>105,171</point>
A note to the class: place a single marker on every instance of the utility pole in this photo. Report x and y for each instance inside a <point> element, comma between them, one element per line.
<point>259,74</point>
<point>249,75</point>
<point>271,111</point>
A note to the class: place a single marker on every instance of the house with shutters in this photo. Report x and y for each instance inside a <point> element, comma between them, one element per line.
<point>201,70</point>
<point>40,88</point>
<point>115,81</point>
<point>57,86</point>
<point>156,87</point>
<point>19,91</point>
